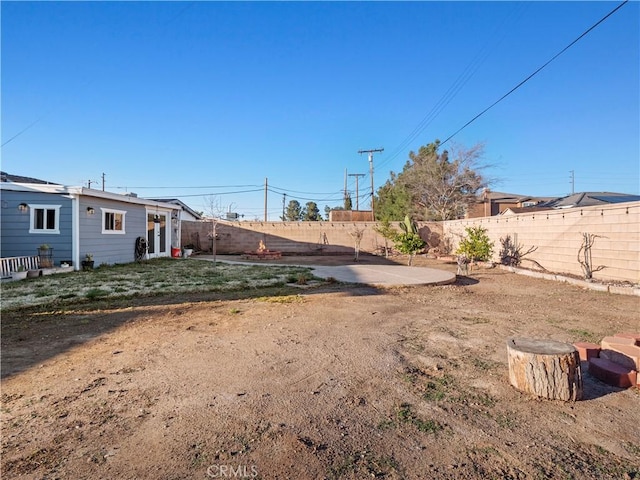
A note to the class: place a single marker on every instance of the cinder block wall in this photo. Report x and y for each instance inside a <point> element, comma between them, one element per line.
<point>558,236</point>
<point>297,238</point>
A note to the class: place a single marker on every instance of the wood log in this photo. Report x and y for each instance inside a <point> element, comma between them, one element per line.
<point>545,368</point>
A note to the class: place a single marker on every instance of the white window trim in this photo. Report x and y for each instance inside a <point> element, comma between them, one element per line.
<point>32,214</point>
<point>113,232</point>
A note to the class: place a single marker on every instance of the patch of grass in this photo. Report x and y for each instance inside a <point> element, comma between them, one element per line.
<point>405,414</point>
<point>434,392</point>
<point>484,365</point>
<point>44,293</point>
<point>581,335</point>
<point>282,299</point>
<point>364,465</point>
<point>506,420</point>
<point>145,279</point>
<point>474,320</point>
<point>95,293</point>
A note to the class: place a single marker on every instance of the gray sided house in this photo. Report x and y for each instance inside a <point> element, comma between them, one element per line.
<point>76,221</point>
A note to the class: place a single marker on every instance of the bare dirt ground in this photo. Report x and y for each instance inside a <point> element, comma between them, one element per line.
<point>334,381</point>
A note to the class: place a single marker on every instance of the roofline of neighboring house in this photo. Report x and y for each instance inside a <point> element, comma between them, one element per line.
<point>82,191</point>
<point>180,203</point>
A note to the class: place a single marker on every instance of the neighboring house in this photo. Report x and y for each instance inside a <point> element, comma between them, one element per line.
<point>516,210</point>
<point>495,203</point>
<point>186,212</point>
<point>590,199</point>
<point>75,221</point>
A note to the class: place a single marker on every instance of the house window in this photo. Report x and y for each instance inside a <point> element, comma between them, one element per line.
<point>44,219</point>
<point>113,221</point>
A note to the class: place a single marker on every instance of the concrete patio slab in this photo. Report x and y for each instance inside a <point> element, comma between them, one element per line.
<point>385,275</point>
<point>379,275</point>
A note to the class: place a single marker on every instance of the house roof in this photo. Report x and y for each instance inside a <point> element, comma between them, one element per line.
<point>177,201</point>
<point>589,199</point>
<point>503,197</point>
<point>82,191</point>
<point>8,177</point>
<point>535,208</point>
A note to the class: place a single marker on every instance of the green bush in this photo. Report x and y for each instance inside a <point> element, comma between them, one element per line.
<point>476,246</point>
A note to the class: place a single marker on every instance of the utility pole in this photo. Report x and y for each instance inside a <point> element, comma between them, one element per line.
<point>103,181</point>
<point>89,182</point>
<point>357,194</point>
<point>284,200</point>
<point>266,187</point>
<point>345,187</point>
<point>573,181</point>
<point>371,152</point>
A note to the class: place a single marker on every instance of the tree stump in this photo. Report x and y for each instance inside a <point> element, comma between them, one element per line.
<point>545,368</point>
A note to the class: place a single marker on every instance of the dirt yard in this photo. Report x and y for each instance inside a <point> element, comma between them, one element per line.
<point>333,381</point>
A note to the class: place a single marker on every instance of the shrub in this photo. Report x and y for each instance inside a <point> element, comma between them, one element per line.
<point>476,245</point>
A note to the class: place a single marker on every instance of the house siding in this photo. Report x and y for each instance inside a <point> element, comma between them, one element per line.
<point>110,248</point>
<point>15,239</point>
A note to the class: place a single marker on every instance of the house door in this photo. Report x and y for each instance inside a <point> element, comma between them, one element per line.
<point>157,238</point>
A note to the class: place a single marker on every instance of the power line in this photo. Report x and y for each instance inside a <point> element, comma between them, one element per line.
<point>140,187</point>
<point>466,75</point>
<point>534,73</point>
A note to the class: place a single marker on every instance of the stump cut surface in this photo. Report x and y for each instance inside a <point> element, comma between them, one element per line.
<point>545,368</point>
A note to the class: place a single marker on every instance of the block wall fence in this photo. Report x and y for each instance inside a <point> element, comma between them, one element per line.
<point>295,238</point>
<point>557,234</point>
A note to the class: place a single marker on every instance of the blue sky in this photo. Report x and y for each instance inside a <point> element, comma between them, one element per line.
<point>198,100</point>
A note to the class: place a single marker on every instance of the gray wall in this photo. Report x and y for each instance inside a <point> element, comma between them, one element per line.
<point>110,248</point>
<point>15,239</point>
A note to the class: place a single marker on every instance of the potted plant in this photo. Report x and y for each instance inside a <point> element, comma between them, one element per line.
<point>20,273</point>
<point>187,250</point>
<point>87,263</point>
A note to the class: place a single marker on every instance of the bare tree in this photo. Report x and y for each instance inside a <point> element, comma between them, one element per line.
<point>584,255</point>
<point>512,253</point>
<point>357,234</point>
<point>214,211</point>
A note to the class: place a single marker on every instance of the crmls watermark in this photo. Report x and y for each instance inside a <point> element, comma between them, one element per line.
<point>232,471</point>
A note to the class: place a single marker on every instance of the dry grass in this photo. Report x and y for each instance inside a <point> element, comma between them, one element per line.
<point>149,278</point>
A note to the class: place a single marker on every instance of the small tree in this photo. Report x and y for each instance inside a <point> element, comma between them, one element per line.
<point>409,241</point>
<point>388,233</point>
<point>311,213</point>
<point>348,204</point>
<point>293,212</point>
<point>357,235</point>
<point>476,246</point>
<point>512,252</point>
<point>214,211</point>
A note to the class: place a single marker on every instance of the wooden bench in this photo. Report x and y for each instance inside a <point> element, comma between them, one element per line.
<point>11,264</point>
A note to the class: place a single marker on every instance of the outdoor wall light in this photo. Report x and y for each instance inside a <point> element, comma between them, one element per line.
<point>90,211</point>
<point>23,207</point>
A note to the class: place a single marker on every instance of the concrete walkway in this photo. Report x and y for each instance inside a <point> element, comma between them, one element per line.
<point>381,275</point>
<point>386,275</point>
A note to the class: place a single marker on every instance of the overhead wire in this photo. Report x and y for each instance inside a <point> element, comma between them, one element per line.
<point>586,32</point>
<point>464,77</point>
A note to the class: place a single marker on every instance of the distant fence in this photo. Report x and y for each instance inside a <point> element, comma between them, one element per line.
<point>296,238</point>
<point>557,234</point>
